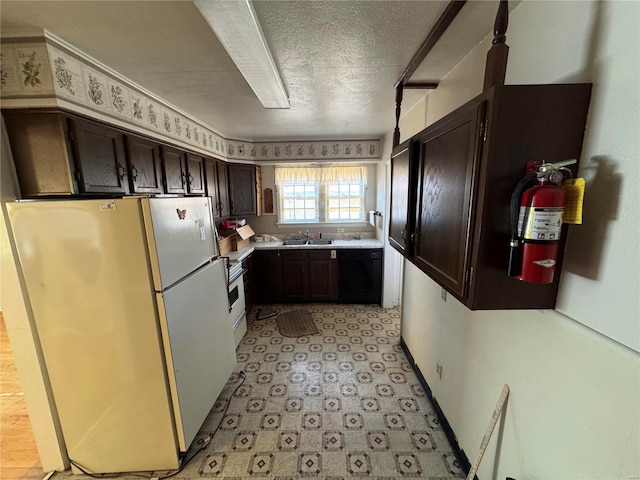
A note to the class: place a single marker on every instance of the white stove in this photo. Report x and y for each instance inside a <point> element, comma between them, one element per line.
<point>237,314</point>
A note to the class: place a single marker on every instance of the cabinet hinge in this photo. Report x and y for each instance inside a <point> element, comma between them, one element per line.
<point>483,130</point>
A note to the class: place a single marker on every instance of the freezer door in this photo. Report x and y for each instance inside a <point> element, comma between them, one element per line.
<point>89,286</point>
<point>181,237</point>
<point>199,345</point>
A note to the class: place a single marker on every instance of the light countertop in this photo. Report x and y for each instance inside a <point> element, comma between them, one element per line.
<point>335,244</point>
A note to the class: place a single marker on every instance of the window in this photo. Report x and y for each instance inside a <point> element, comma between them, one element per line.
<point>299,202</point>
<point>321,194</point>
<point>345,201</point>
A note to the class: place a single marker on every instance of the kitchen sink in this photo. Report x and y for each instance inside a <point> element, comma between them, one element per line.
<point>320,242</point>
<point>306,242</point>
<point>294,242</point>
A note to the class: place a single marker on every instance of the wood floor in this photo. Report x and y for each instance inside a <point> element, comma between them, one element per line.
<point>18,454</point>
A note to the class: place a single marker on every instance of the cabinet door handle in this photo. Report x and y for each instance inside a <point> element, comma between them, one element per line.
<point>182,178</point>
<point>190,179</point>
<point>121,171</point>
<point>413,238</point>
<point>134,172</point>
<point>403,234</point>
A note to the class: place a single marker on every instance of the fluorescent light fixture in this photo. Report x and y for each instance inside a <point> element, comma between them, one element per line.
<point>236,25</point>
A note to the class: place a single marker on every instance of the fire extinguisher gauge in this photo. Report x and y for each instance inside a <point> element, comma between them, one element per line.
<point>556,177</point>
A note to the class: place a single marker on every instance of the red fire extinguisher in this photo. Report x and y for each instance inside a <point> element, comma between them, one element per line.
<point>536,223</point>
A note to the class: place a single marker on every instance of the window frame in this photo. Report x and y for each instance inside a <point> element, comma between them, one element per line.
<point>322,203</point>
<point>282,199</point>
<point>339,197</point>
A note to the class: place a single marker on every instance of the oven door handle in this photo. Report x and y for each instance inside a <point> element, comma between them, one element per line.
<point>236,276</point>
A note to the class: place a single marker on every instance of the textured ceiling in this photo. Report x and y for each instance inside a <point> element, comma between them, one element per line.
<point>339,60</point>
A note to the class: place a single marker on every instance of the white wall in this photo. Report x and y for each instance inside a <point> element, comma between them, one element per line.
<point>573,412</point>
<point>392,261</point>
<point>412,121</point>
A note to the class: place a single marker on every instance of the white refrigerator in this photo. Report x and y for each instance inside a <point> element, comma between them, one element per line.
<point>130,304</point>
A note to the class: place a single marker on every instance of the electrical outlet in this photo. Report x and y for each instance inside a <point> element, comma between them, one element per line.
<point>443,295</point>
<point>439,370</point>
<point>340,230</point>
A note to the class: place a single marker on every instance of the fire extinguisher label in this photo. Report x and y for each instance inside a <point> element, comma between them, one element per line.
<point>541,223</point>
<point>548,263</point>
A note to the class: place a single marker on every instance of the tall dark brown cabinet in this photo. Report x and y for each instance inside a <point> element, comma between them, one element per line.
<point>242,189</point>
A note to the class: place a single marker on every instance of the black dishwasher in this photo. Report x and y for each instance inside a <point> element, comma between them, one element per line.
<point>360,275</point>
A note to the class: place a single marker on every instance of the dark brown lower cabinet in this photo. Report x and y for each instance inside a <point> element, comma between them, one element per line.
<point>323,275</point>
<point>267,265</point>
<point>296,275</point>
<point>310,275</point>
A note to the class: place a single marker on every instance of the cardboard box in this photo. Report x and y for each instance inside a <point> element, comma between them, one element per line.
<point>234,239</point>
<point>225,245</point>
<point>243,234</point>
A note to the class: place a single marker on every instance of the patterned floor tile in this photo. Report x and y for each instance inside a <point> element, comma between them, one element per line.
<point>340,405</point>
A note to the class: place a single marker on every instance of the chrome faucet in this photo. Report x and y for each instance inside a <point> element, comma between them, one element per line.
<point>305,235</point>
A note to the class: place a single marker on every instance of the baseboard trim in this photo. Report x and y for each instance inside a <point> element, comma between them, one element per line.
<point>461,456</point>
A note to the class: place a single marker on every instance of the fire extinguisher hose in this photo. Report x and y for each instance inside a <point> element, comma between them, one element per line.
<point>515,251</point>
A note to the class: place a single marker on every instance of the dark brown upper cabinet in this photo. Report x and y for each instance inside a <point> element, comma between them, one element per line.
<point>216,187</point>
<point>195,175</point>
<point>404,161</point>
<point>145,169</point>
<point>59,154</point>
<point>99,157</point>
<point>448,155</point>
<point>224,202</point>
<point>211,183</point>
<point>242,189</point>
<point>174,170</point>
<point>41,148</point>
<point>469,163</point>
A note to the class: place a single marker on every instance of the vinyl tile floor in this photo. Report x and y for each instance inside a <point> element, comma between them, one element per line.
<point>340,404</point>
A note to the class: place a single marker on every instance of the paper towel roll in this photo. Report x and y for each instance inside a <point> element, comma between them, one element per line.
<point>374,215</point>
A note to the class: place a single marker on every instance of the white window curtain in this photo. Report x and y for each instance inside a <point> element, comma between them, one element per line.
<point>352,174</point>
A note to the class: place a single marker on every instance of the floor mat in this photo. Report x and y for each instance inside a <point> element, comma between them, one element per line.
<point>296,323</point>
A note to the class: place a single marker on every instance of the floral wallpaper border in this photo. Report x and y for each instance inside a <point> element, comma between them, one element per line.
<point>49,67</point>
